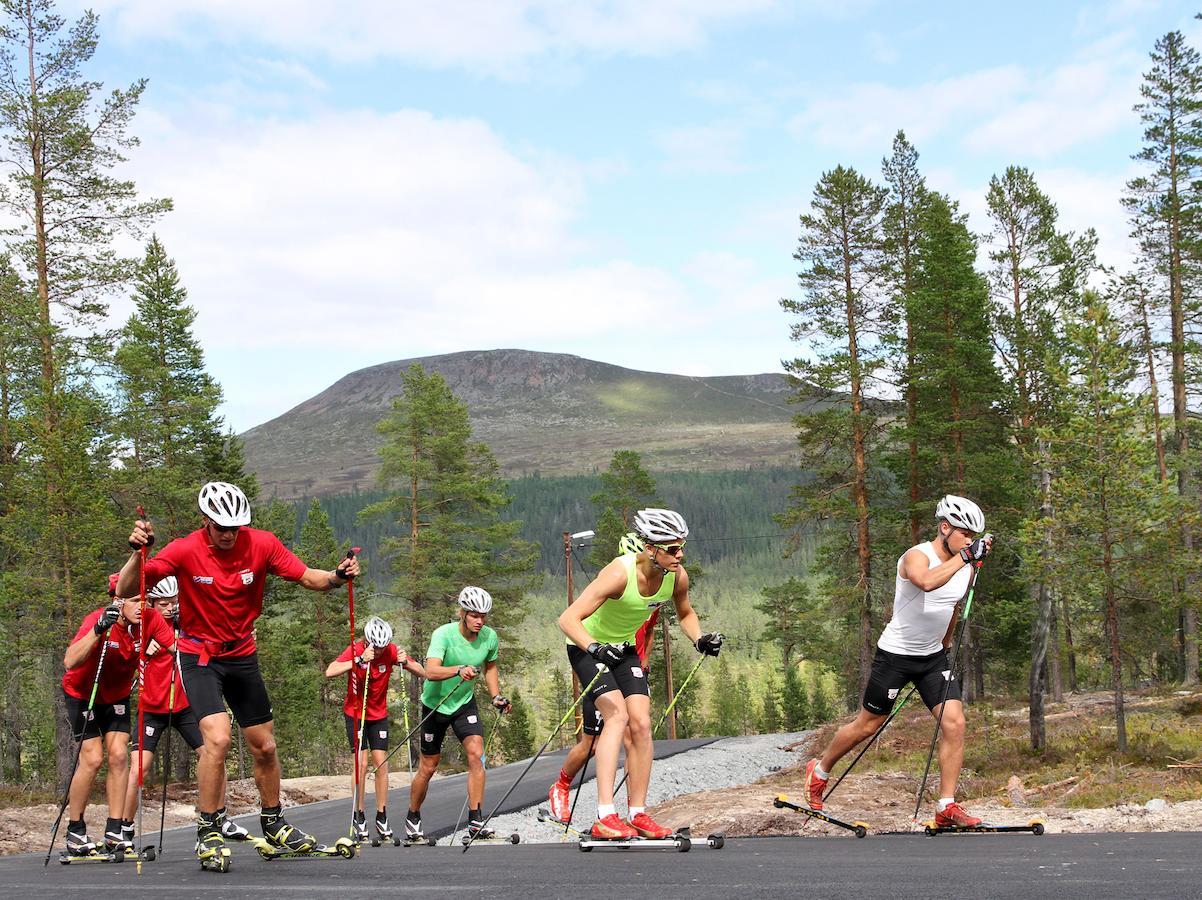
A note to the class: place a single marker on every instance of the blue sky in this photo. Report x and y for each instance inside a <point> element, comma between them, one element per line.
<point>364,181</point>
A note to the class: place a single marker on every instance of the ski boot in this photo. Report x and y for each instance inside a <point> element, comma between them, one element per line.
<point>383,832</point>
<point>954,816</point>
<point>560,805</point>
<point>413,830</point>
<point>815,787</point>
<point>476,829</point>
<point>211,851</point>
<point>359,827</point>
<point>115,837</point>
<point>230,830</point>
<point>78,842</point>
<point>281,835</point>
<point>127,832</point>
<point>647,827</point>
<point>611,828</point>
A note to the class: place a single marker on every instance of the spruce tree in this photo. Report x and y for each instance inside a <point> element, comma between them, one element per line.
<point>728,705</point>
<point>841,314</point>
<point>795,705</point>
<point>516,738</point>
<point>770,707</point>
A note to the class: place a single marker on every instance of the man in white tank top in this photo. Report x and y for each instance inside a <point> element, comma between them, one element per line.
<point>932,578</point>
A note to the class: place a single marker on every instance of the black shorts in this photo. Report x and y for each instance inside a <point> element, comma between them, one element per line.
<point>235,680</point>
<point>155,725</point>
<point>103,718</point>
<point>891,672</point>
<point>464,721</point>
<point>375,733</point>
<point>591,718</point>
<point>628,676</point>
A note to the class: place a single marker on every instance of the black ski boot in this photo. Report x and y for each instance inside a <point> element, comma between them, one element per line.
<point>114,837</point>
<point>78,842</point>
<point>383,831</point>
<point>211,851</point>
<point>476,829</point>
<point>230,830</point>
<point>359,827</point>
<point>280,834</point>
<point>413,828</point>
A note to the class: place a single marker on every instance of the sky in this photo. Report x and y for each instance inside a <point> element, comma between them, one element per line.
<point>374,180</point>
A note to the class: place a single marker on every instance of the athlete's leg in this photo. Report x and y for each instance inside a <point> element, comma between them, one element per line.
<point>91,755</point>
<point>426,767</point>
<point>612,706</point>
<point>638,750</point>
<point>951,746</point>
<point>261,741</point>
<point>577,756</point>
<point>379,759</point>
<point>473,749</point>
<point>115,783</point>
<point>846,738</point>
<point>210,767</point>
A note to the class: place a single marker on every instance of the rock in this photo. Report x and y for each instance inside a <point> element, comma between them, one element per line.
<point>1156,805</point>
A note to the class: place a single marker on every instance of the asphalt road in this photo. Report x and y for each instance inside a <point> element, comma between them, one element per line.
<point>1065,867</point>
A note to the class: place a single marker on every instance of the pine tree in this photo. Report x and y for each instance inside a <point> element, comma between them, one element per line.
<point>841,313</point>
<point>728,705</point>
<point>1164,205</point>
<point>445,495</point>
<point>789,609</point>
<point>557,701</point>
<point>770,707</point>
<point>822,709</point>
<point>795,705</point>
<point>626,487</point>
<point>517,731</point>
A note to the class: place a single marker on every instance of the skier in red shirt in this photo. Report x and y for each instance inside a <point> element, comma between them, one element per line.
<point>222,569</point>
<point>165,705</point>
<point>377,653</point>
<point>113,628</point>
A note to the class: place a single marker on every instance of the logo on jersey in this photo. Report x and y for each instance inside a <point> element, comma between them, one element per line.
<point>202,579</point>
<point>247,576</point>
<point>381,668</point>
<point>893,692</point>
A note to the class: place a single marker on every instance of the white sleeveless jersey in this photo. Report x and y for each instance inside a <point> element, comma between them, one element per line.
<point>920,618</point>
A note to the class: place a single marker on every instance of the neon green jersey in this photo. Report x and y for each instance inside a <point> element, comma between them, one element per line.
<point>448,644</point>
<point>618,618</point>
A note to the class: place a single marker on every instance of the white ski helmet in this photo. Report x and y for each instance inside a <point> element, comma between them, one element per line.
<point>168,587</point>
<point>961,512</point>
<point>629,543</point>
<point>224,503</point>
<point>475,599</point>
<point>378,632</point>
<point>659,525</point>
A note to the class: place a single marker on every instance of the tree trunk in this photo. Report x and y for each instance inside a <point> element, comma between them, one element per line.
<point>1042,598</point>
<point>1068,645</point>
<point>1054,674</point>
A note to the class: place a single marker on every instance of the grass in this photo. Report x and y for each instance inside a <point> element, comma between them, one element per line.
<point>1161,730</point>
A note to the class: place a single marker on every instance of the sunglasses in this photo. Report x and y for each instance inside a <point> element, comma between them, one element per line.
<point>224,529</point>
<point>671,549</point>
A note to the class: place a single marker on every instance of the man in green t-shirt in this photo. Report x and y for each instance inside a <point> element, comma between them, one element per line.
<point>458,652</point>
<point>601,626</point>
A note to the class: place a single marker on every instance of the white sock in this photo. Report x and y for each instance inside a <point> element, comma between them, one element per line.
<point>635,810</point>
<point>605,809</point>
<point>945,802</point>
<point>820,774</point>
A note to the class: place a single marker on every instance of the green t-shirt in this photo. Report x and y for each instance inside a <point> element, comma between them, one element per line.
<point>619,618</point>
<point>449,645</point>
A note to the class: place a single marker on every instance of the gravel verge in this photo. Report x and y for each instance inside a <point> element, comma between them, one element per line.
<point>725,763</point>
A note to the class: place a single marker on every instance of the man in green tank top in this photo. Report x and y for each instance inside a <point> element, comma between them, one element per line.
<point>459,651</point>
<point>601,626</point>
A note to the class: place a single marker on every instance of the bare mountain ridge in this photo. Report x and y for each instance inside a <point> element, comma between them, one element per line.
<point>552,413</point>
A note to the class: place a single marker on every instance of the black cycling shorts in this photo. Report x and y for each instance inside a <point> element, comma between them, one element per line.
<point>235,680</point>
<point>464,721</point>
<point>375,733</point>
<point>592,721</point>
<point>103,717</point>
<point>628,676</point>
<point>891,672</point>
<point>155,725</point>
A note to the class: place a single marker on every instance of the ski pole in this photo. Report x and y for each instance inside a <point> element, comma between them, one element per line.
<point>580,784</point>
<point>484,762</point>
<point>350,604</point>
<point>165,758</point>
<point>667,712</point>
<point>416,728</point>
<point>141,681</point>
<point>405,719</point>
<point>601,670</point>
<point>360,787</point>
<point>79,738</point>
<point>947,685</point>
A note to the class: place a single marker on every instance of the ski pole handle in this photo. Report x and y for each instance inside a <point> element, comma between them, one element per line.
<point>149,538</point>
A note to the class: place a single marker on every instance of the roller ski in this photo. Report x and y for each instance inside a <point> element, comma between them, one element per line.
<point>859,829</point>
<point>414,836</point>
<point>282,841</point>
<point>211,851</point>
<point>954,820</point>
<point>383,832</point>
<point>82,849</point>
<point>545,815</point>
<point>479,832</point>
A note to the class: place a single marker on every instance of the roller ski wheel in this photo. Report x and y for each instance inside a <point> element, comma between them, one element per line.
<point>859,829</point>
<point>213,854</point>
<point>677,842</point>
<point>384,834</point>
<point>1034,827</point>
<point>716,841</point>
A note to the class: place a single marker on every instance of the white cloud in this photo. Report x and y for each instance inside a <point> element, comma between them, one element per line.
<point>495,36</point>
<point>703,149</point>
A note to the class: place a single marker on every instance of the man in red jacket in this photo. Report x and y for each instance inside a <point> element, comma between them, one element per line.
<point>222,568</point>
<point>113,631</point>
<point>371,660</point>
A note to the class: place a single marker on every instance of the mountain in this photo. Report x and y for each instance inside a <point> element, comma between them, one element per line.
<point>549,413</point>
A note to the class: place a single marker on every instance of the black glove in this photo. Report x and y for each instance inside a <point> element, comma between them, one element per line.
<point>977,550</point>
<point>710,643</point>
<point>606,654</point>
<point>108,618</point>
<point>501,703</point>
